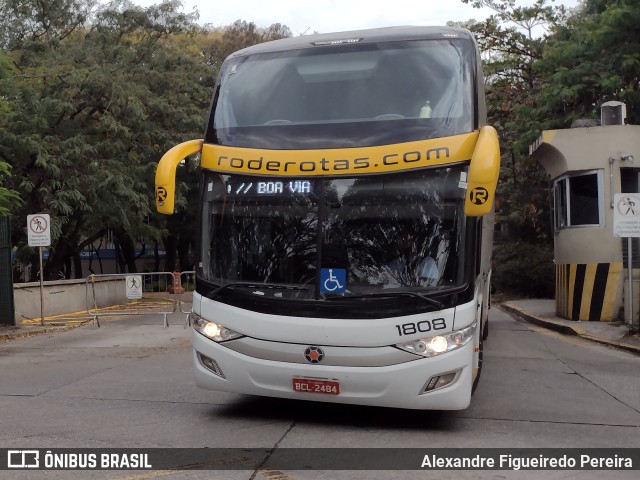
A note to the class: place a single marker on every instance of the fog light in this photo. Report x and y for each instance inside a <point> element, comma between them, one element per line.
<point>210,364</point>
<point>439,381</point>
<point>431,384</point>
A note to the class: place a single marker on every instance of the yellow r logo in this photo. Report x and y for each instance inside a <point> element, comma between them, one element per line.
<point>479,195</point>
<point>161,195</point>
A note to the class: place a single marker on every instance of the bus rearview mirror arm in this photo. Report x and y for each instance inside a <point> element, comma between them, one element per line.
<point>483,174</point>
<point>166,174</point>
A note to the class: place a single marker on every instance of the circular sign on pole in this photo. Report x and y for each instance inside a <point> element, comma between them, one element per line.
<point>39,230</point>
<point>626,215</point>
<point>39,235</point>
<point>133,287</point>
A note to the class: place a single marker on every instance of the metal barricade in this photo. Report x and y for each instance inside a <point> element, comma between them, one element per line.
<point>188,283</point>
<point>132,294</point>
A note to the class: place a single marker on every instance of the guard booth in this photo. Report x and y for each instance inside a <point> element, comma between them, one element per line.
<point>587,165</point>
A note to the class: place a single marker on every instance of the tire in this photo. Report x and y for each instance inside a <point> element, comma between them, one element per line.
<point>485,330</point>
<point>480,358</point>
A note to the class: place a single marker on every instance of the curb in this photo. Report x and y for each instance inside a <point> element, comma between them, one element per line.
<point>566,329</point>
<point>538,320</point>
<point>24,332</point>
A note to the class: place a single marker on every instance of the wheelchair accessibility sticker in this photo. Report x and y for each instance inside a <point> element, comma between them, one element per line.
<point>333,280</point>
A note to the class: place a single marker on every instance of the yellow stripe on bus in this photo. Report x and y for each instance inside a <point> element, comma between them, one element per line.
<point>340,161</point>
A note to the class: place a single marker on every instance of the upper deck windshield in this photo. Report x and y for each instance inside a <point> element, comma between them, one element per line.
<point>346,95</point>
<point>393,234</point>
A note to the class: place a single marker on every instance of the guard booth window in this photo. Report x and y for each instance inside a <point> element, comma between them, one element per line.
<point>578,200</point>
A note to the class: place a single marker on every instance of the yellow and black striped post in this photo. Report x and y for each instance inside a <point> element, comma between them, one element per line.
<point>588,291</point>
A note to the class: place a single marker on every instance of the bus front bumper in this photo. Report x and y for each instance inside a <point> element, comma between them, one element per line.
<point>398,386</point>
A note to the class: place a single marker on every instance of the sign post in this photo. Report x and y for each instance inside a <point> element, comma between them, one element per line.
<point>626,224</point>
<point>39,235</point>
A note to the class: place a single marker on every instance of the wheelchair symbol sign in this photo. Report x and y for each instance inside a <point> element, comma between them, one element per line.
<point>333,280</point>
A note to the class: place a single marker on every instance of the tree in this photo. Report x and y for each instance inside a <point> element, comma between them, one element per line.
<point>8,197</point>
<point>512,41</point>
<point>239,35</point>
<point>93,109</point>
<point>595,57</point>
<point>575,62</point>
<point>26,21</point>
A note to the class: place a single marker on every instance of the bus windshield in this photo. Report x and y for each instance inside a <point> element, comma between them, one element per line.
<point>393,233</point>
<point>346,96</point>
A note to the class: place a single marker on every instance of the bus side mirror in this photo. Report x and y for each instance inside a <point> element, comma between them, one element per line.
<point>166,174</point>
<point>483,174</point>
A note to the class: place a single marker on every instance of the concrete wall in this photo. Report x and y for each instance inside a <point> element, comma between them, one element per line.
<point>66,296</point>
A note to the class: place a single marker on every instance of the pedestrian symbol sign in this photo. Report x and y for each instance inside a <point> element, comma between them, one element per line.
<point>39,230</point>
<point>626,215</point>
<point>133,287</point>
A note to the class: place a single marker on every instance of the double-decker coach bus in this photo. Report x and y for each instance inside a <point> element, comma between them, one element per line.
<point>347,183</point>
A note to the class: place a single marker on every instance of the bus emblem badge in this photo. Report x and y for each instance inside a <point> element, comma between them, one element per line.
<point>161,195</point>
<point>313,354</point>
<point>479,195</point>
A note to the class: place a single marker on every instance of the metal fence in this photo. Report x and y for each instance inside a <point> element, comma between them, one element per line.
<point>161,293</point>
<point>185,298</point>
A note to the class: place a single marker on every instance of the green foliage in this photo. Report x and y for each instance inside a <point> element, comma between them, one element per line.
<point>544,68</point>
<point>594,58</point>
<point>510,48</point>
<point>8,198</point>
<point>91,110</point>
<point>49,21</point>
<point>91,95</point>
<point>523,269</point>
<point>239,35</point>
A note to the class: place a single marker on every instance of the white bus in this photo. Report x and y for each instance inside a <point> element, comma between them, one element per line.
<point>347,184</point>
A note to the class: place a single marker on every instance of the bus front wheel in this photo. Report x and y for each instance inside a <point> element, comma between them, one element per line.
<point>478,367</point>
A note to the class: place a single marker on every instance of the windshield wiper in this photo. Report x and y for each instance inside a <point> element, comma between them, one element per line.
<point>260,286</point>
<point>429,300</point>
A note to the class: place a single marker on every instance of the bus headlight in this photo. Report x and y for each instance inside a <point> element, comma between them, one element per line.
<point>214,331</point>
<point>436,345</point>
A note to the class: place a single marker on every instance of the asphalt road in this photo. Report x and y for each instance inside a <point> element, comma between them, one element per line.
<point>128,384</point>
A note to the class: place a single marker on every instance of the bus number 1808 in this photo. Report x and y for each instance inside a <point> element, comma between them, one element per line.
<point>424,326</point>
